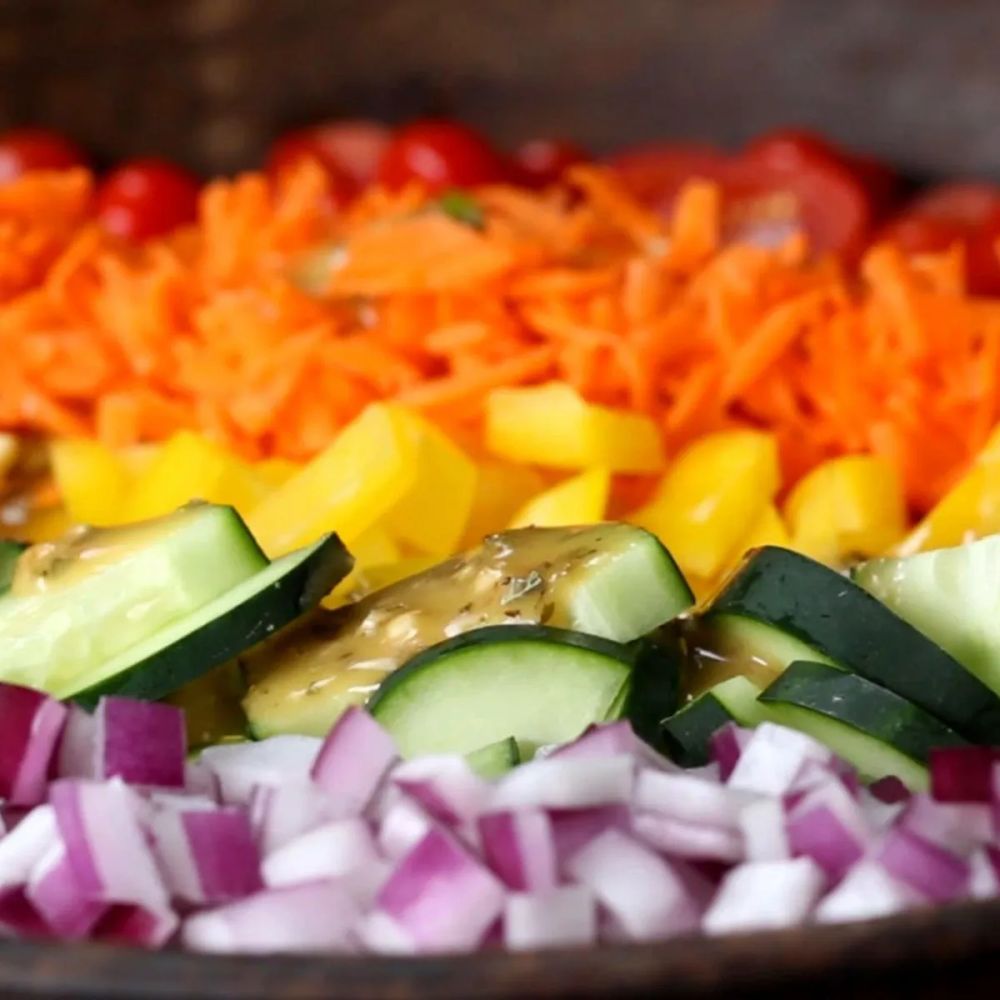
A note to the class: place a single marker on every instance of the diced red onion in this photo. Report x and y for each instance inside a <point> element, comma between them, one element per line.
<point>557,918</point>
<point>200,779</point>
<point>827,825</point>
<point>137,926</point>
<point>932,871</point>
<point>637,886</point>
<point>379,933</point>
<point>18,918</point>
<point>573,829</point>
<point>984,881</point>
<point>727,745</point>
<point>24,847</point>
<point>890,790</point>
<point>520,847</point>
<point>106,848</point>
<point>446,787</point>
<point>404,825</point>
<point>207,856</point>
<point>762,824</point>
<point>317,916</point>
<point>963,774</point>
<point>241,767</point>
<point>58,895</point>
<point>867,891</point>
<point>682,839</point>
<point>334,850</point>
<point>764,895</point>
<point>957,827</point>
<point>32,725</point>
<point>142,742</point>
<point>440,896</point>
<point>280,813</point>
<point>353,760</point>
<point>567,783</point>
<point>773,758</point>
<point>77,754</point>
<point>609,740</point>
<point>689,799</point>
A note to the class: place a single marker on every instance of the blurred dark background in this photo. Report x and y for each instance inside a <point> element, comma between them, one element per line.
<point>211,81</point>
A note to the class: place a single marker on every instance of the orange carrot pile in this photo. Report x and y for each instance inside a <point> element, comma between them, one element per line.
<point>242,327</point>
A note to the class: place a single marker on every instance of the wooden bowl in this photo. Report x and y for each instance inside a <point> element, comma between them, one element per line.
<point>952,952</point>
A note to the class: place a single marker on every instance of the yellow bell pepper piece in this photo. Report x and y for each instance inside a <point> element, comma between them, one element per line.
<point>552,425</point>
<point>375,547</point>
<point>276,471</point>
<point>8,453</point>
<point>91,479</point>
<point>348,487</point>
<point>137,458</point>
<point>712,497</point>
<point>431,516</point>
<point>582,499</point>
<point>970,509</point>
<point>845,508</point>
<point>769,529</point>
<point>190,467</point>
<point>502,488</point>
<point>44,525</point>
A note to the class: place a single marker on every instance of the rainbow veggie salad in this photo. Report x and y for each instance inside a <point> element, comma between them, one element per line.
<point>407,553</point>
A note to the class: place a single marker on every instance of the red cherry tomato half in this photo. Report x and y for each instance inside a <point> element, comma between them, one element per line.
<point>24,149</point>
<point>440,154</point>
<point>801,149</point>
<point>763,202</point>
<point>541,162</point>
<point>349,151</point>
<point>966,213</point>
<point>147,197</point>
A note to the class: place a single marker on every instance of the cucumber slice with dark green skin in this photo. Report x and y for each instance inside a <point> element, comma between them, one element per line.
<point>541,684</point>
<point>615,581</point>
<point>85,599</point>
<point>9,552</point>
<point>950,595</point>
<point>654,690</point>
<point>686,736</point>
<point>222,629</point>
<point>801,600</point>
<point>872,728</point>
<point>495,759</point>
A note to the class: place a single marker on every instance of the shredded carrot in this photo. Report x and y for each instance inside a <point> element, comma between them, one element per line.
<point>274,320</point>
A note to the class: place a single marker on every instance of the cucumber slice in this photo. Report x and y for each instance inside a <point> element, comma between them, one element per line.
<point>687,735</point>
<point>495,759</point>
<point>542,684</point>
<point>9,553</point>
<point>822,616</point>
<point>79,602</point>
<point>219,630</point>
<point>872,728</point>
<point>610,580</point>
<point>950,595</point>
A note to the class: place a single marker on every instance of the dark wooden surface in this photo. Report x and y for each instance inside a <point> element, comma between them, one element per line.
<point>953,954</point>
<point>210,80</point>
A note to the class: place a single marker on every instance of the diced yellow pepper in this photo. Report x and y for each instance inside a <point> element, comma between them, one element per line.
<point>431,516</point>
<point>769,529</point>
<point>712,497</point>
<point>91,479</point>
<point>190,467</point>
<point>846,508</point>
<point>970,509</point>
<point>8,453</point>
<point>502,488</point>
<point>137,458</point>
<point>276,471</point>
<point>44,525</point>
<point>348,487</point>
<point>374,547</point>
<point>581,499</point>
<point>552,425</point>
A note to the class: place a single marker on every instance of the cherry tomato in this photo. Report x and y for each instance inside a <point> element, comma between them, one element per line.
<point>763,202</point>
<point>966,213</point>
<point>24,149</point>
<point>147,197</point>
<point>800,149</point>
<point>441,154</point>
<point>541,162</point>
<point>349,152</point>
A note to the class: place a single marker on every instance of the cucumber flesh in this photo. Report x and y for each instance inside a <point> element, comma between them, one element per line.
<point>220,630</point>
<point>872,728</point>
<point>615,581</point>
<point>796,598</point>
<point>686,736</point>
<point>950,595</point>
<point>540,684</point>
<point>495,759</point>
<point>77,603</point>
